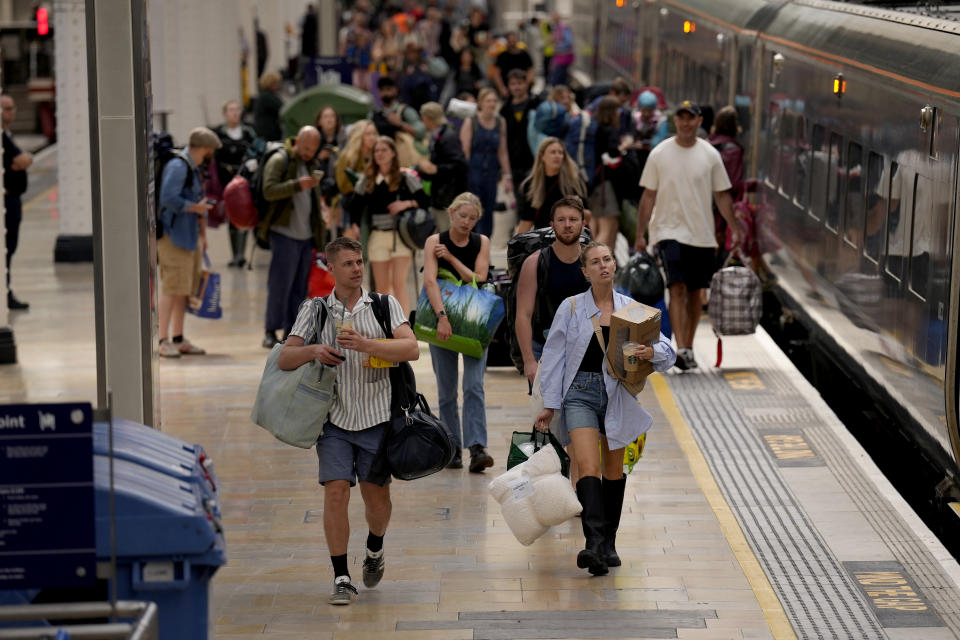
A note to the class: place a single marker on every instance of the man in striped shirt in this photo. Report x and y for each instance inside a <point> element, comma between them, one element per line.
<point>361,408</point>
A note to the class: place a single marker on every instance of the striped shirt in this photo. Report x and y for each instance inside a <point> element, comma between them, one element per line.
<point>363,394</point>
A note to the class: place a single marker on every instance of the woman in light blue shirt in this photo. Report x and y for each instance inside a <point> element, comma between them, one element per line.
<point>593,404</point>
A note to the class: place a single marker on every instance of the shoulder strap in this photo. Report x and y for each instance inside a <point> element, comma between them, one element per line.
<point>381,311</point>
<point>599,333</point>
<point>321,318</point>
<point>573,305</point>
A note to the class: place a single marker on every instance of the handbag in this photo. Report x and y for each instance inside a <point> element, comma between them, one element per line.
<point>414,226</point>
<point>736,301</point>
<point>524,444</point>
<point>294,405</point>
<point>205,303</point>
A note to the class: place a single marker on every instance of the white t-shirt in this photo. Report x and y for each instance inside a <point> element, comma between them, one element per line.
<point>684,179</point>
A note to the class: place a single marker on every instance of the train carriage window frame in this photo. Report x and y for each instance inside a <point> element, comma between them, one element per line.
<point>774,123</point>
<point>836,184</point>
<point>801,177</point>
<point>893,267</point>
<point>923,191</point>
<point>878,198</point>
<point>818,139</point>
<point>854,216</point>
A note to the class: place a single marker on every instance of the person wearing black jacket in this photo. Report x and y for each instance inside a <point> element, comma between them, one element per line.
<point>603,199</point>
<point>516,112</point>
<point>238,145</point>
<point>266,108</point>
<point>15,164</point>
<point>447,167</point>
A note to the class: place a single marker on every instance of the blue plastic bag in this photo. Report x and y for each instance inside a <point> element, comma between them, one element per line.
<point>206,302</point>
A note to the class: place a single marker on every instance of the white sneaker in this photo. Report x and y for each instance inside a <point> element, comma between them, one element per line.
<point>168,349</point>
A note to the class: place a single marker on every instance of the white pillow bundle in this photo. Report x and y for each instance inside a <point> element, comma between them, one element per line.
<point>535,496</point>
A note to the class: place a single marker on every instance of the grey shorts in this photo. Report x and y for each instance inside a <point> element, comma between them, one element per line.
<point>348,455</point>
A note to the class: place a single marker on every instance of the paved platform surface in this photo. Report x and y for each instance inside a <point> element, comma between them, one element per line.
<point>751,515</point>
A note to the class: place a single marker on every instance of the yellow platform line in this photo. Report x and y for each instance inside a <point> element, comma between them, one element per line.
<point>772,609</point>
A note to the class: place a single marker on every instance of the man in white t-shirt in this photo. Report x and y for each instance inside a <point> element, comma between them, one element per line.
<point>682,175</point>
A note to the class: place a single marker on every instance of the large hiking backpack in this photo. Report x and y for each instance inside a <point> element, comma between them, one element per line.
<point>518,249</point>
<point>581,143</point>
<point>164,151</point>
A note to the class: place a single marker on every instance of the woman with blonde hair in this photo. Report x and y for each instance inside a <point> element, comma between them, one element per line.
<point>355,156</point>
<point>383,192</point>
<point>467,255</point>
<point>598,414</point>
<point>554,176</point>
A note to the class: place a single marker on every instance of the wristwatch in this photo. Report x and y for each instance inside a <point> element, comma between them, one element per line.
<point>442,313</point>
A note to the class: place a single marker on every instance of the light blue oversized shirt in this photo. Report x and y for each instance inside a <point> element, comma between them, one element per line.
<point>569,337</point>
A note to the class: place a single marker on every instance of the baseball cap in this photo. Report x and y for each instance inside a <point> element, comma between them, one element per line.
<point>690,107</point>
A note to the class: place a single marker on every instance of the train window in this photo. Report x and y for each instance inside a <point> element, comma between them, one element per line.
<point>801,167</point>
<point>818,171</point>
<point>876,198</point>
<point>895,222</point>
<point>788,145</point>
<point>921,231</point>
<point>853,216</point>
<point>835,182</point>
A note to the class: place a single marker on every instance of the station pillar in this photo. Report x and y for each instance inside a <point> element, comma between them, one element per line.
<point>75,237</point>
<point>118,66</point>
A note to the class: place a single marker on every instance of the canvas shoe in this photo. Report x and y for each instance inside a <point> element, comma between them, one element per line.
<point>372,569</point>
<point>343,592</point>
<point>168,349</point>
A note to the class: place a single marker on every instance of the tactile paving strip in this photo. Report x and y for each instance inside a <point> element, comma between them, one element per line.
<point>817,593</point>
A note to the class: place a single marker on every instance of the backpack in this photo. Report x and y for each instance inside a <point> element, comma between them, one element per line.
<point>163,152</point>
<point>416,443</point>
<point>518,249</point>
<point>261,204</point>
<point>641,279</point>
<point>581,144</point>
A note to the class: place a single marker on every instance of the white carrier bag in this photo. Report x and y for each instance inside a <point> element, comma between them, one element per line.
<point>736,300</point>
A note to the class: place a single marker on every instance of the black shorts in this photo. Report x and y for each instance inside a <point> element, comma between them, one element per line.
<point>686,264</point>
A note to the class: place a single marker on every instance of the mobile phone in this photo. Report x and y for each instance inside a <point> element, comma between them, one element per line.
<point>211,202</point>
<point>317,174</point>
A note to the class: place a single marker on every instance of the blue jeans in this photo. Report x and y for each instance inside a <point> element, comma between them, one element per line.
<point>445,367</point>
<point>585,404</point>
<point>287,280</point>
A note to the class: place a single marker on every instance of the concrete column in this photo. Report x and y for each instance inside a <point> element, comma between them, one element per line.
<point>75,239</point>
<point>125,257</point>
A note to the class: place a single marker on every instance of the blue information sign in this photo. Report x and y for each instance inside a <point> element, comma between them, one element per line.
<point>47,536</point>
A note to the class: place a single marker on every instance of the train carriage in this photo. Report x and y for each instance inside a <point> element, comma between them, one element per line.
<point>851,119</point>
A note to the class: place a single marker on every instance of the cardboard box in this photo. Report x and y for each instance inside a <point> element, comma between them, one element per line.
<point>638,323</point>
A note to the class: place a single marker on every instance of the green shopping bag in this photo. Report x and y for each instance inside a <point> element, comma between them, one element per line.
<point>474,316</point>
<point>522,439</point>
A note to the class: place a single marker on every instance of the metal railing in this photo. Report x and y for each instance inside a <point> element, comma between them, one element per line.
<point>143,627</point>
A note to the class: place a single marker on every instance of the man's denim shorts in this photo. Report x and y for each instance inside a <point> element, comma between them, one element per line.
<point>585,404</point>
<point>348,455</point>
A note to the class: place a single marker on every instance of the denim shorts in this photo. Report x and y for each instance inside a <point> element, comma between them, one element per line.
<point>348,455</point>
<point>585,404</point>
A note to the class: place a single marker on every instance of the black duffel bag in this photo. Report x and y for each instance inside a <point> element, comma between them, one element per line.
<point>417,443</point>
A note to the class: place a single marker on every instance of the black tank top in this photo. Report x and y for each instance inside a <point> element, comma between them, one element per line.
<point>593,358</point>
<point>561,281</point>
<point>467,254</point>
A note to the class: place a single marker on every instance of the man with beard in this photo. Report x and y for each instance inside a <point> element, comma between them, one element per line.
<point>547,278</point>
<point>395,117</point>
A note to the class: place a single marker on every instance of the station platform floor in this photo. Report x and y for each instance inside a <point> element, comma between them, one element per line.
<point>753,514</point>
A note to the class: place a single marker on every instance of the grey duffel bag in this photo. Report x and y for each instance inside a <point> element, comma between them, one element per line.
<point>294,405</point>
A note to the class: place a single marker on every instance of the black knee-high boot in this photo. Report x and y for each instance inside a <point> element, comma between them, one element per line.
<point>612,506</point>
<point>590,494</point>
